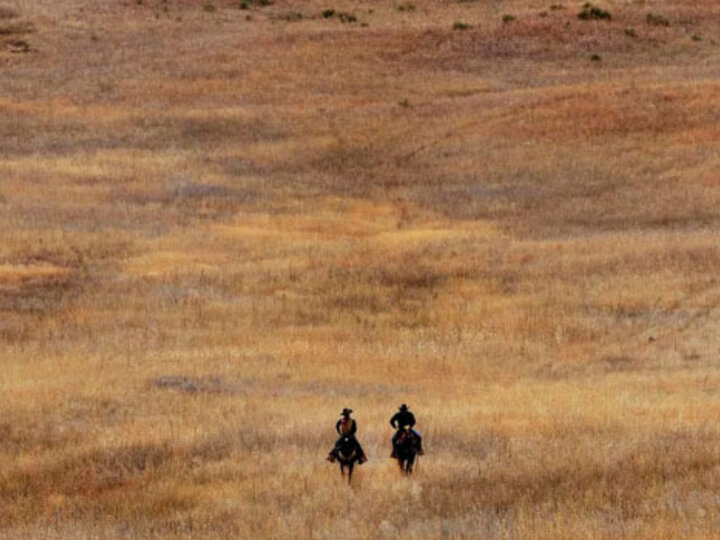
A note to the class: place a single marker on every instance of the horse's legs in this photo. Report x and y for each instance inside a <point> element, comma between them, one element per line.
<point>350,471</point>
<point>410,463</point>
<point>342,469</point>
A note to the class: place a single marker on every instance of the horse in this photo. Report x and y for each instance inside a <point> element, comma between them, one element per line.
<point>406,449</point>
<point>348,454</point>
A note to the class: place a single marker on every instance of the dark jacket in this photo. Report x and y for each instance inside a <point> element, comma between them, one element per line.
<point>402,419</point>
<point>351,430</point>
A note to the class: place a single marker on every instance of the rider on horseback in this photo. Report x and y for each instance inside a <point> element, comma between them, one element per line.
<point>346,427</point>
<point>399,421</point>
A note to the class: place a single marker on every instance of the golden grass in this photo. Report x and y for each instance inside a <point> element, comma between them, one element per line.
<point>216,231</point>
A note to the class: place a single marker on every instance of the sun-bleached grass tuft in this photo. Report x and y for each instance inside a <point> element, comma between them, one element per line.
<point>218,228</point>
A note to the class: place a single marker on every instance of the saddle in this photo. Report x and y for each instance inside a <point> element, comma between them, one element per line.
<point>348,443</point>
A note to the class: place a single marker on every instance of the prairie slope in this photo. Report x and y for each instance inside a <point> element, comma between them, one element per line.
<point>220,226</point>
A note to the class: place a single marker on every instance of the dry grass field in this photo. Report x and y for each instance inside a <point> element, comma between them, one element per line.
<point>221,222</point>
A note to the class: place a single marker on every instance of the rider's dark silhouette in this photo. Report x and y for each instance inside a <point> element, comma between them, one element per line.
<point>346,427</point>
<point>400,420</point>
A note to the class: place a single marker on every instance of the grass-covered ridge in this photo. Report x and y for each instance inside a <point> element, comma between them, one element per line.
<point>222,222</point>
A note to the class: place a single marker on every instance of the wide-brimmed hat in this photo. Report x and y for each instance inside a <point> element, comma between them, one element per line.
<point>346,412</point>
<point>403,407</point>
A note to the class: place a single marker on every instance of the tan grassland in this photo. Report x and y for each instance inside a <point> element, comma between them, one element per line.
<point>220,226</point>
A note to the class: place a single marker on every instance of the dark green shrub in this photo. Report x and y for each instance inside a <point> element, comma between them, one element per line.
<point>507,18</point>
<point>407,6</point>
<point>458,25</point>
<point>342,16</point>
<point>347,17</point>
<point>291,16</point>
<point>247,4</point>
<point>589,12</point>
<point>657,20</point>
